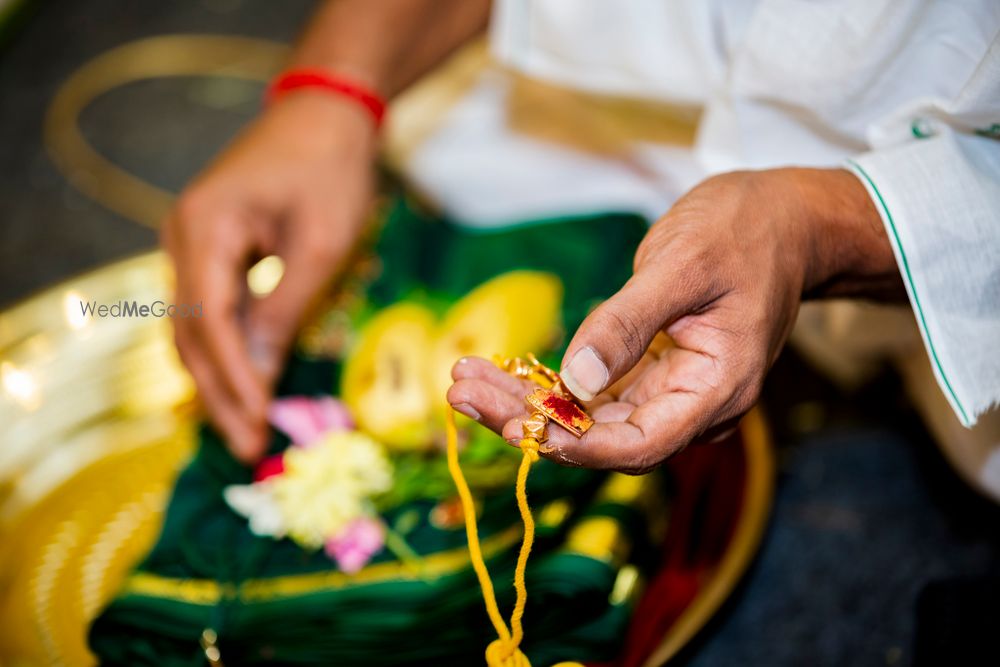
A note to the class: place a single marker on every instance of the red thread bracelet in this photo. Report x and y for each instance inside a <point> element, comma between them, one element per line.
<point>296,79</point>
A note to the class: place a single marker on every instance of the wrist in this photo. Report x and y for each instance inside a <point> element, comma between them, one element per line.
<point>324,121</point>
<point>846,249</point>
<point>329,82</point>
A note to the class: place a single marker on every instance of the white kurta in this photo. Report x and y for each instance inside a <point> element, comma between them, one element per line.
<point>906,93</point>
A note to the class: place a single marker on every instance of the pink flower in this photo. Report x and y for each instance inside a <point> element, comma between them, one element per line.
<point>269,467</point>
<point>305,419</point>
<point>355,545</point>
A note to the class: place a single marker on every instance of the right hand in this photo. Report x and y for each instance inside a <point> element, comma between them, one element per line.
<point>721,275</point>
<point>297,183</point>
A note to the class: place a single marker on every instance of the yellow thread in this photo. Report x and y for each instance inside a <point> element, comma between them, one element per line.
<point>504,651</point>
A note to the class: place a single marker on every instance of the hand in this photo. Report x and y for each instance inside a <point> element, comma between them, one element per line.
<point>297,183</point>
<point>722,274</point>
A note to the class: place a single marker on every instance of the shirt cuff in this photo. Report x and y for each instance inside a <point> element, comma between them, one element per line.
<point>939,198</point>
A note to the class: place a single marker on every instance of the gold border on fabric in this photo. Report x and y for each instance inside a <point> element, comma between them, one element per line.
<point>210,592</point>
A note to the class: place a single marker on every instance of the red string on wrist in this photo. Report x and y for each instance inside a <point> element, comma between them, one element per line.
<point>297,79</point>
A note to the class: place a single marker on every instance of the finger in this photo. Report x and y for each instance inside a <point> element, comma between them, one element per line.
<point>206,340</point>
<point>245,436</point>
<point>609,411</point>
<point>635,444</point>
<point>217,282</point>
<point>274,320</point>
<point>485,402</point>
<point>675,370</point>
<point>660,346</point>
<point>613,338</point>
<point>636,439</point>
<point>561,443</point>
<point>246,443</point>
<point>478,368</point>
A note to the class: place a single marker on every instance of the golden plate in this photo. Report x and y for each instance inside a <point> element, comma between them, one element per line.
<point>95,431</point>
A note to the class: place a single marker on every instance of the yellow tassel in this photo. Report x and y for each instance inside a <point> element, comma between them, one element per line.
<point>504,651</point>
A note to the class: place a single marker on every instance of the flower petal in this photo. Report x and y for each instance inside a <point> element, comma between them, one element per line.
<point>257,503</point>
<point>305,419</point>
<point>269,467</point>
<point>361,539</point>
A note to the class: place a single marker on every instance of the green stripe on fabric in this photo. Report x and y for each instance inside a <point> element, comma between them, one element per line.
<point>913,289</point>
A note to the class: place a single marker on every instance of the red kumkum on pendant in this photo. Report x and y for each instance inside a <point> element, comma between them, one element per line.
<point>561,410</point>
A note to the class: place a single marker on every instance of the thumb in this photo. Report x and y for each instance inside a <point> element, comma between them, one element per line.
<point>614,337</point>
<point>274,320</point>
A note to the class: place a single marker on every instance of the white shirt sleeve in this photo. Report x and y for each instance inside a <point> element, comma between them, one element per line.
<point>914,82</point>
<point>673,52</point>
<point>938,192</point>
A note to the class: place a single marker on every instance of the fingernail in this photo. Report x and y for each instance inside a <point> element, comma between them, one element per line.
<point>516,442</point>
<point>585,375</point>
<point>468,411</point>
<point>262,357</point>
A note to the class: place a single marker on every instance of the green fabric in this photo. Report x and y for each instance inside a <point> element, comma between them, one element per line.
<point>436,620</point>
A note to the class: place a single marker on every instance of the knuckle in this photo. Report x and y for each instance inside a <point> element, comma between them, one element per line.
<point>457,393</point>
<point>189,206</point>
<point>741,394</point>
<point>643,462</point>
<point>219,235</point>
<point>321,253</point>
<point>323,248</point>
<point>626,324</point>
<point>651,243</point>
<point>313,244</point>
<point>198,223</point>
<point>638,468</point>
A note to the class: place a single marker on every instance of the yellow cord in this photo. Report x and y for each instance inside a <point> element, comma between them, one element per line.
<point>504,651</point>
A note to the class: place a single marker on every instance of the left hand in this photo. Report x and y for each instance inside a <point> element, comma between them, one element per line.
<point>296,183</point>
<point>722,274</point>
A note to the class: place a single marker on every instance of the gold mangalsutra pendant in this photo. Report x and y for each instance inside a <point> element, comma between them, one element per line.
<point>563,411</point>
<point>551,401</point>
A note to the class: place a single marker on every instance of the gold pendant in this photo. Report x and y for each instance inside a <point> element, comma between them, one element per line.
<point>561,410</point>
<point>551,401</point>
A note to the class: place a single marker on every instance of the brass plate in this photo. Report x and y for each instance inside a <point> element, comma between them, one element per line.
<point>96,426</point>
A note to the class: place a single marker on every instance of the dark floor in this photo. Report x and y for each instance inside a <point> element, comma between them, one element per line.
<point>162,130</point>
<point>867,512</point>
